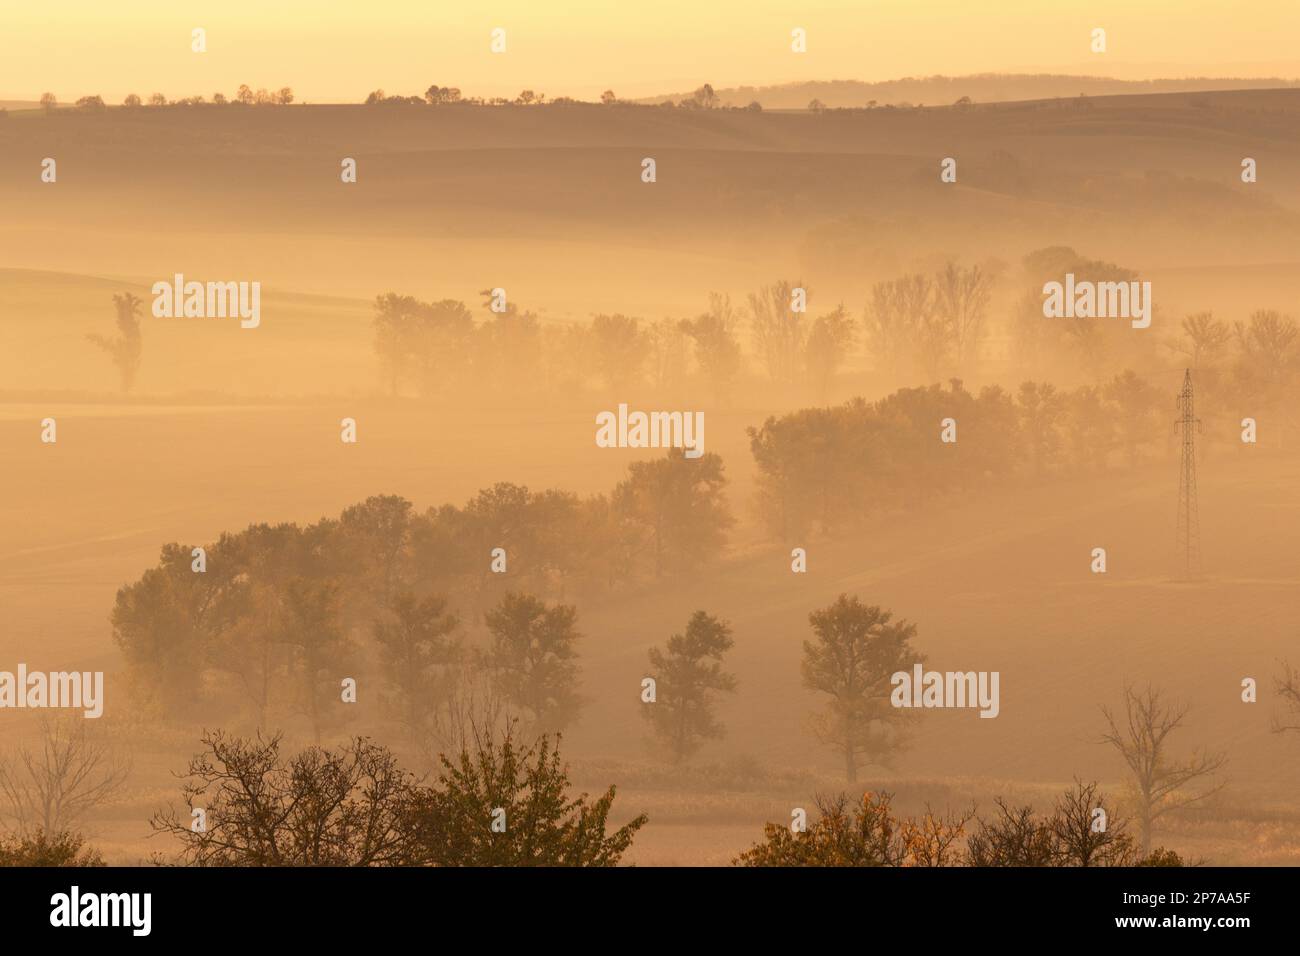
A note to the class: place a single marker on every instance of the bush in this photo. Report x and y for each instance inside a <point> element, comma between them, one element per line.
<point>39,848</point>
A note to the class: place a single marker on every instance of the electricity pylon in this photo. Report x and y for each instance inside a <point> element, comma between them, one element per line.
<point>1189,521</point>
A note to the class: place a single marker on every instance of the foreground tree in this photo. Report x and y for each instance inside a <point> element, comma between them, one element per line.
<point>124,348</point>
<point>495,804</point>
<point>688,678</point>
<point>61,849</point>
<point>1161,783</point>
<point>871,834</point>
<point>1082,830</point>
<point>857,648</point>
<point>346,807</point>
<point>865,834</point>
<point>499,804</point>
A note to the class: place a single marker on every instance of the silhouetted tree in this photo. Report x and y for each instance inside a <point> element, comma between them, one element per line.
<point>857,648</point>
<point>1041,408</point>
<point>1288,688</point>
<point>533,658</point>
<point>1160,782</point>
<point>72,770</point>
<point>442,95</point>
<point>674,507</point>
<point>352,806</point>
<point>62,849</point>
<point>126,347</point>
<point>1204,337</point>
<point>312,631</point>
<point>779,332</point>
<point>619,349</point>
<point>419,655</point>
<point>717,348</point>
<point>524,792</point>
<point>868,833</point>
<point>829,342</point>
<point>688,678</point>
<point>1136,404</point>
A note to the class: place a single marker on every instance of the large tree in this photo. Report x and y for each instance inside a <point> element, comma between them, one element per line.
<point>533,658</point>
<point>419,655</point>
<point>856,649</point>
<point>779,332</point>
<point>674,509</point>
<point>688,678</point>
<point>1162,783</point>
<point>125,348</point>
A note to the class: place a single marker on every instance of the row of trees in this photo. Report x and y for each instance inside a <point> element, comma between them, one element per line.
<point>495,803</point>
<point>703,98</point>
<point>437,348</point>
<point>275,616</point>
<point>246,96</point>
<point>830,469</point>
<point>870,833</point>
<point>498,803</point>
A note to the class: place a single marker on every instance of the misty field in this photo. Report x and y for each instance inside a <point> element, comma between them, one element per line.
<point>624,291</point>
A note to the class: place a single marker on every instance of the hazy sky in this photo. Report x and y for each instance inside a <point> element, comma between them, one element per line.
<point>338,50</point>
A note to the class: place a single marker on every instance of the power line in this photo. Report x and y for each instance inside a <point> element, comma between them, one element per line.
<point>1189,520</point>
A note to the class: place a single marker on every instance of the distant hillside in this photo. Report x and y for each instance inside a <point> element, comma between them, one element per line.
<point>982,88</point>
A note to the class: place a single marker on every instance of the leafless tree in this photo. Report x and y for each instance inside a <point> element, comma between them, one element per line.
<point>779,332</point>
<point>52,785</point>
<point>1161,783</point>
<point>1288,688</point>
<point>962,299</point>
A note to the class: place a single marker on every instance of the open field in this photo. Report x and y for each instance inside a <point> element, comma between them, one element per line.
<point>228,427</point>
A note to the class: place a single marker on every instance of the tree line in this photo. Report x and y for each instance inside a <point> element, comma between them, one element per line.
<point>269,619</point>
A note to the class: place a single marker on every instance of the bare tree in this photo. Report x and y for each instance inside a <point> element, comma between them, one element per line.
<point>1203,337</point>
<point>779,331</point>
<point>1162,784</point>
<point>51,786</point>
<point>902,325</point>
<point>962,298</point>
<point>1288,688</point>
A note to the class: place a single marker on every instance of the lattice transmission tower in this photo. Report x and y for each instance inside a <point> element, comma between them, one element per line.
<point>1189,520</point>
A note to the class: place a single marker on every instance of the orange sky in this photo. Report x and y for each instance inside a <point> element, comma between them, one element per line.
<point>331,50</point>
